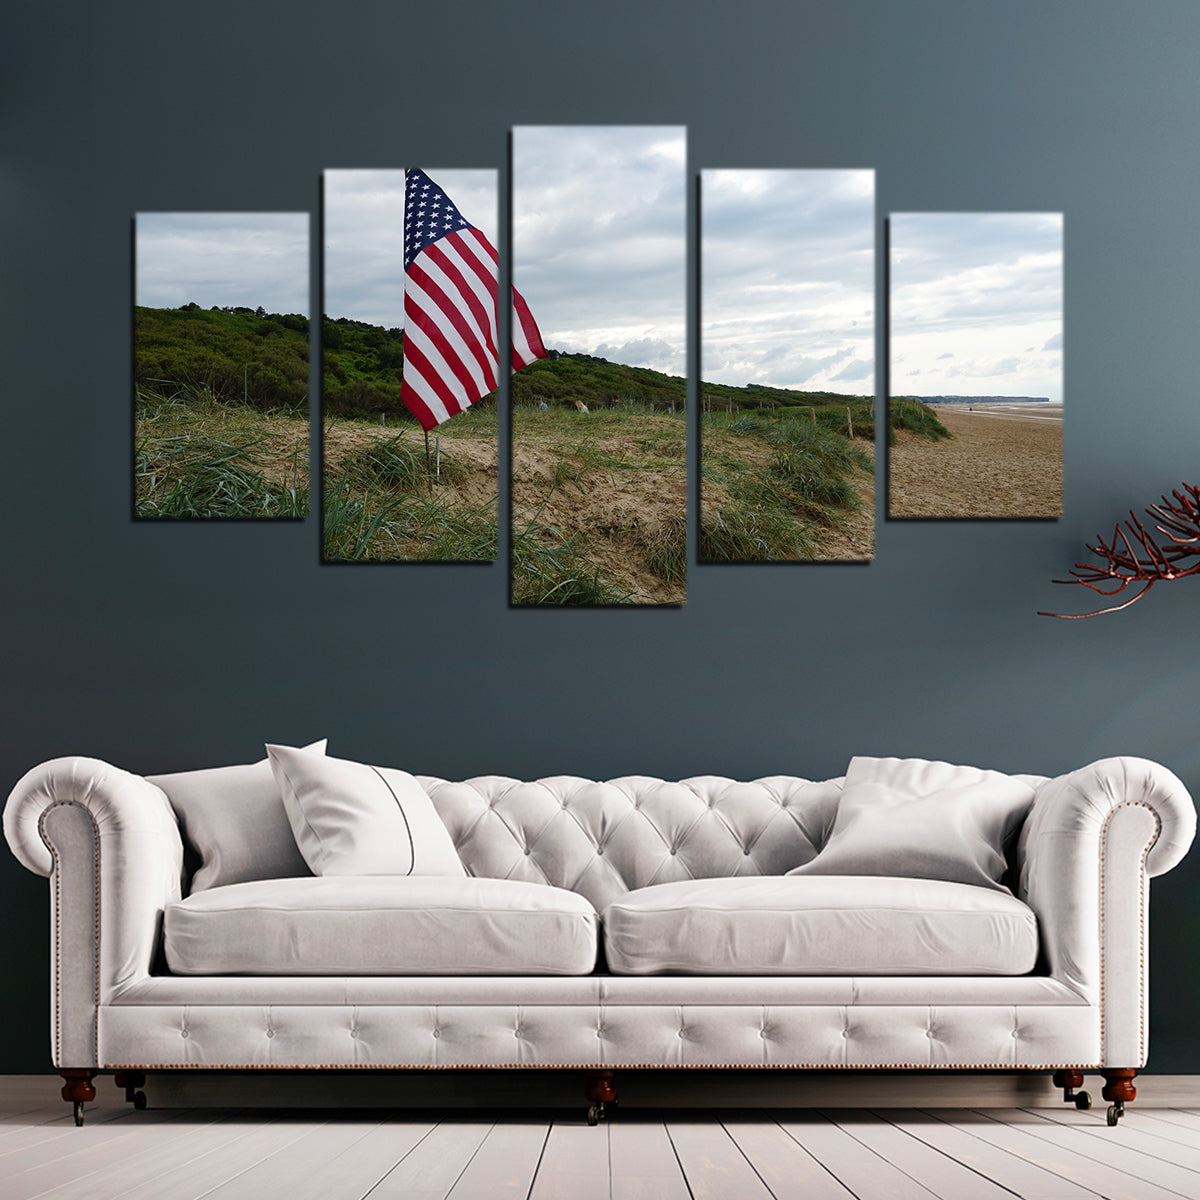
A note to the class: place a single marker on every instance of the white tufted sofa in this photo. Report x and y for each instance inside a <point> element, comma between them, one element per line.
<point>111,845</point>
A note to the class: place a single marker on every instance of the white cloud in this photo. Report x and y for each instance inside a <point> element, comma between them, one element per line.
<point>976,303</point>
<point>599,229</point>
<point>223,259</point>
<point>788,278</point>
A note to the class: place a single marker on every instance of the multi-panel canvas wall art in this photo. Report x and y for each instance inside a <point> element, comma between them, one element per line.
<point>975,357</point>
<point>220,365</point>
<point>599,424</point>
<point>787,351</point>
<point>409,365</point>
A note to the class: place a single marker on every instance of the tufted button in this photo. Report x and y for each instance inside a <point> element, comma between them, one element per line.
<point>599,1033</point>
<point>437,1033</point>
<point>929,1033</point>
<point>527,851</point>
<point>762,1033</point>
<point>599,850</point>
<point>270,1033</point>
<point>845,1033</point>
<point>183,1033</point>
<point>354,1033</point>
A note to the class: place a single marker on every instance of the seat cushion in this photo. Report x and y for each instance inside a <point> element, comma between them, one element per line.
<point>819,925</point>
<point>381,925</point>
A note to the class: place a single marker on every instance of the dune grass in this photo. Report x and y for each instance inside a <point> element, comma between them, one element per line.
<point>916,418</point>
<point>384,502</point>
<point>199,458</point>
<point>774,510</point>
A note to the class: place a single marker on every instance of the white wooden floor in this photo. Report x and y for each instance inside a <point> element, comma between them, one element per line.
<point>793,1154</point>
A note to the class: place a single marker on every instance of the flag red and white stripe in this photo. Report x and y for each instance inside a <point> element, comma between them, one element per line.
<point>450,326</point>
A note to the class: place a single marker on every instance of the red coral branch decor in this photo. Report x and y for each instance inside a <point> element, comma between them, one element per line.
<point>1135,555</point>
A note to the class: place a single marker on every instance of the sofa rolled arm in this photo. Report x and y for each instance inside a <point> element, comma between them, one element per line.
<point>110,844</point>
<point>1090,844</point>
<point>1078,805</point>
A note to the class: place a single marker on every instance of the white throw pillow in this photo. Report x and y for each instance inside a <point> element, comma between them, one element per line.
<point>233,817</point>
<point>923,820</point>
<point>352,819</point>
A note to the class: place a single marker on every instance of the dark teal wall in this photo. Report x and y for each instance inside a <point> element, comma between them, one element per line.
<point>163,647</point>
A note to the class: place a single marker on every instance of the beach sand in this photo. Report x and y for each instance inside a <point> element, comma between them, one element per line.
<point>1000,463</point>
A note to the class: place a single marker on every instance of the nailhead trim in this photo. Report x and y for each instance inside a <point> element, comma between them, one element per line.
<point>1141,924</point>
<point>58,927</point>
<point>594,1066</point>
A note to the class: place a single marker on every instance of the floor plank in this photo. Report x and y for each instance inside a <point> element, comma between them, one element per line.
<point>187,1168</point>
<point>575,1163</point>
<point>152,1167</point>
<point>361,1166</point>
<point>1002,1127</point>
<point>1004,1168</point>
<point>789,1170</point>
<point>1181,1118</point>
<point>1125,1148</point>
<point>290,1169</point>
<point>643,1161</point>
<point>432,1167</point>
<point>937,1172</point>
<point>59,1168</point>
<point>505,1164</point>
<point>1039,1153</point>
<point>1143,1130</point>
<point>714,1167</point>
<point>858,1168</point>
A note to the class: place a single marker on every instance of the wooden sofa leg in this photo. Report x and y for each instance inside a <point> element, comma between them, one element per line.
<point>132,1082</point>
<point>77,1088</point>
<point>1069,1080</point>
<point>1118,1087</point>
<point>601,1095</point>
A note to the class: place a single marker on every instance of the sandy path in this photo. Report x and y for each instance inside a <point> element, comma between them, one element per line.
<point>997,465</point>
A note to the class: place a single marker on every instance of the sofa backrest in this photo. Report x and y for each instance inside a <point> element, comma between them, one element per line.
<point>604,839</point>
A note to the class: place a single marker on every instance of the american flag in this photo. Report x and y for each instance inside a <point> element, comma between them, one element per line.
<point>450,286</point>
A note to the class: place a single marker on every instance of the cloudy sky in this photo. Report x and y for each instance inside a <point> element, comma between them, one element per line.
<point>976,304</point>
<point>247,259</point>
<point>599,239</point>
<point>364,236</point>
<point>787,275</point>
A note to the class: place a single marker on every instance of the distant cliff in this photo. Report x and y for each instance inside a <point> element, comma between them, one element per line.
<point>977,399</point>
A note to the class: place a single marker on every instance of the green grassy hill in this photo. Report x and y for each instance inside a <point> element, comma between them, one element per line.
<point>238,355</point>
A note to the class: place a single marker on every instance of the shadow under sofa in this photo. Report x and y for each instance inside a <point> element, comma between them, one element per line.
<point>601,926</point>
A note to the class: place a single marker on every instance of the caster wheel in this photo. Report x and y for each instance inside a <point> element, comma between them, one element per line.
<point>595,1112</point>
<point>1083,1101</point>
<point>1115,1112</point>
<point>78,1112</point>
<point>139,1100</point>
